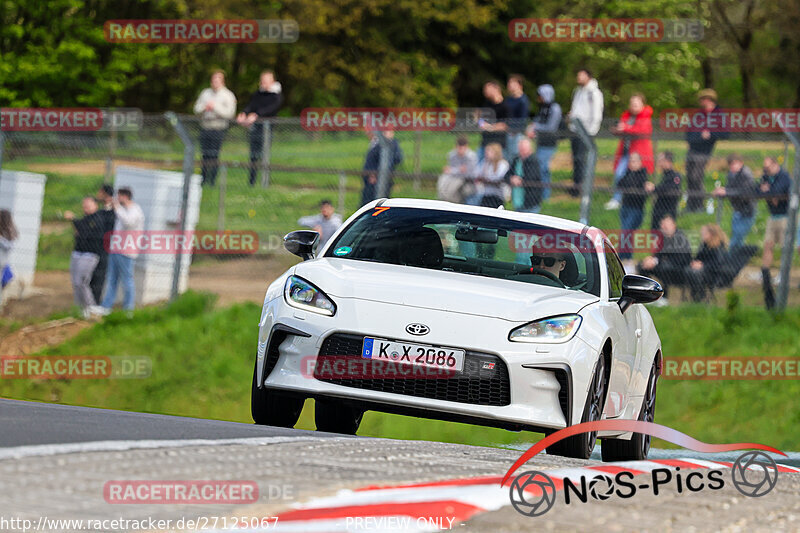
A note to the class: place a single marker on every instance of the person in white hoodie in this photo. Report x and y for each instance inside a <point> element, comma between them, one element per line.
<point>216,106</point>
<point>129,218</point>
<point>587,106</point>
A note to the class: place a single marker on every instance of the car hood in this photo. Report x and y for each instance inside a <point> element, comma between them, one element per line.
<point>446,291</point>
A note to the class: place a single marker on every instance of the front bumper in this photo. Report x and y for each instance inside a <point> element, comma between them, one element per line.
<point>546,383</point>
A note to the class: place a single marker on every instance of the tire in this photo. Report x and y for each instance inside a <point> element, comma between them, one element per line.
<point>337,417</point>
<point>581,446</point>
<point>271,408</point>
<point>637,448</point>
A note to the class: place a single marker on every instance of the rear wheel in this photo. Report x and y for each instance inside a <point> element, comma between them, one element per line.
<point>272,408</point>
<point>638,447</point>
<point>337,417</point>
<point>581,446</point>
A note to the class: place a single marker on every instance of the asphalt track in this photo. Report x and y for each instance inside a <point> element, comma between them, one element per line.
<point>56,460</point>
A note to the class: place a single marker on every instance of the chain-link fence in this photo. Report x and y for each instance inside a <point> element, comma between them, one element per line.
<point>260,181</point>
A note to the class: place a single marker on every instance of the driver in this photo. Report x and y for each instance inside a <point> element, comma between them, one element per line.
<point>549,260</point>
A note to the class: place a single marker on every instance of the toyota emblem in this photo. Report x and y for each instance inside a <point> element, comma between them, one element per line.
<point>418,329</point>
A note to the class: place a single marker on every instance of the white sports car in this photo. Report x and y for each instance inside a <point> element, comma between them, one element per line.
<point>461,313</point>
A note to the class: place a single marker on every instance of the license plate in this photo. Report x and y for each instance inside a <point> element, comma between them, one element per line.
<point>413,354</point>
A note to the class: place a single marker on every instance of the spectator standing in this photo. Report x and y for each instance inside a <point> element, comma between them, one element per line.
<point>264,103</point>
<point>524,175</point>
<point>494,131</point>
<point>325,223</point>
<point>489,178</point>
<point>372,164</point>
<point>216,106</point>
<point>774,182</point>
<point>587,106</point>
<point>635,129</point>
<point>105,204</point>
<point>8,234</point>
<point>741,190</point>
<point>519,107</point>
<point>709,262</point>
<point>668,192</point>
<point>461,166</point>
<point>129,217</point>
<point>701,144</point>
<point>669,263</point>
<point>634,197</point>
<point>89,232</point>
<point>545,128</point>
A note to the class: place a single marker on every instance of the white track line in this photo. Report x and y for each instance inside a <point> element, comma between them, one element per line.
<point>38,450</point>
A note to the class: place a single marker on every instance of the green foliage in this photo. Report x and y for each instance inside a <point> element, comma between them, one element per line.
<point>392,53</point>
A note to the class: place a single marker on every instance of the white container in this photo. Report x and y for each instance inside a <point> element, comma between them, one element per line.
<point>158,193</point>
<point>22,193</point>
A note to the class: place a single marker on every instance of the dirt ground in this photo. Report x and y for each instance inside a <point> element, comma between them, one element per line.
<point>95,167</point>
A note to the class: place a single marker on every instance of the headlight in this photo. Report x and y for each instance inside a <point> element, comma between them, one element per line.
<point>548,330</point>
<point>303,295</point>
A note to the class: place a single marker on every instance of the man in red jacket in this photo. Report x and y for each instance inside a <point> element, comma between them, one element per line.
<point>635,129</point>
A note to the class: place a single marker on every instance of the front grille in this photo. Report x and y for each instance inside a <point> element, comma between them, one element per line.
<point>474,385</point>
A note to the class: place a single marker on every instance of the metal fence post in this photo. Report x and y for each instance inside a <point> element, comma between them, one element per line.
<point>112,145</point>
<point>384,167</point>
<point>266,152</point>
<point>188,170</point>
<point>787,253</point>
<point>587,172</point>
<point>223,186</point>
<point>342,190</point>
<point>417,159</point>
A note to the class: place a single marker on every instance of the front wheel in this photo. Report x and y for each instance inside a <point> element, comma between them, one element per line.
<point>581,446</point>
<point>337,417</point>
<point>271,408</point>
<point>637,448</point>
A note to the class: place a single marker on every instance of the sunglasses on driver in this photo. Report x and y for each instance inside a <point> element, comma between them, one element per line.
<point>548,260</point>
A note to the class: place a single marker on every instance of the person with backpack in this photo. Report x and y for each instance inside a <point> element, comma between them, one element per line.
<point>545,129</point>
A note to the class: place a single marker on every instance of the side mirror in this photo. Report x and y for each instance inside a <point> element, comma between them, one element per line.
<point>301,243</point>
<point>639,290</point>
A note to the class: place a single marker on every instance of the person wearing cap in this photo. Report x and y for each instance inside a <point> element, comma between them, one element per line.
<point>545,128</point>
<point>701,144</point>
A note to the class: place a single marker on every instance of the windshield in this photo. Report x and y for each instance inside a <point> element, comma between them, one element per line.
<point>471,244</point>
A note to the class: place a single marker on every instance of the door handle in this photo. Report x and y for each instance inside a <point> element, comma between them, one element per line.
<point>638,333</point>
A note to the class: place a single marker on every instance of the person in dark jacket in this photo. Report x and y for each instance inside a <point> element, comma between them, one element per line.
<point>105,197</point>
<point>495,129</point>
<point>701,144</point>
<point>741,190</point>
<point>372,164</point>
<point>668,192</point>
<point>775,187</point>
<point>89,232</point>
<point>524,174</point>
<point>519,107</point>
<point>264,103</point>
<point>634,197</point>
<point>669,263</point>
<point>545,129</point>
<point>709,262</point>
